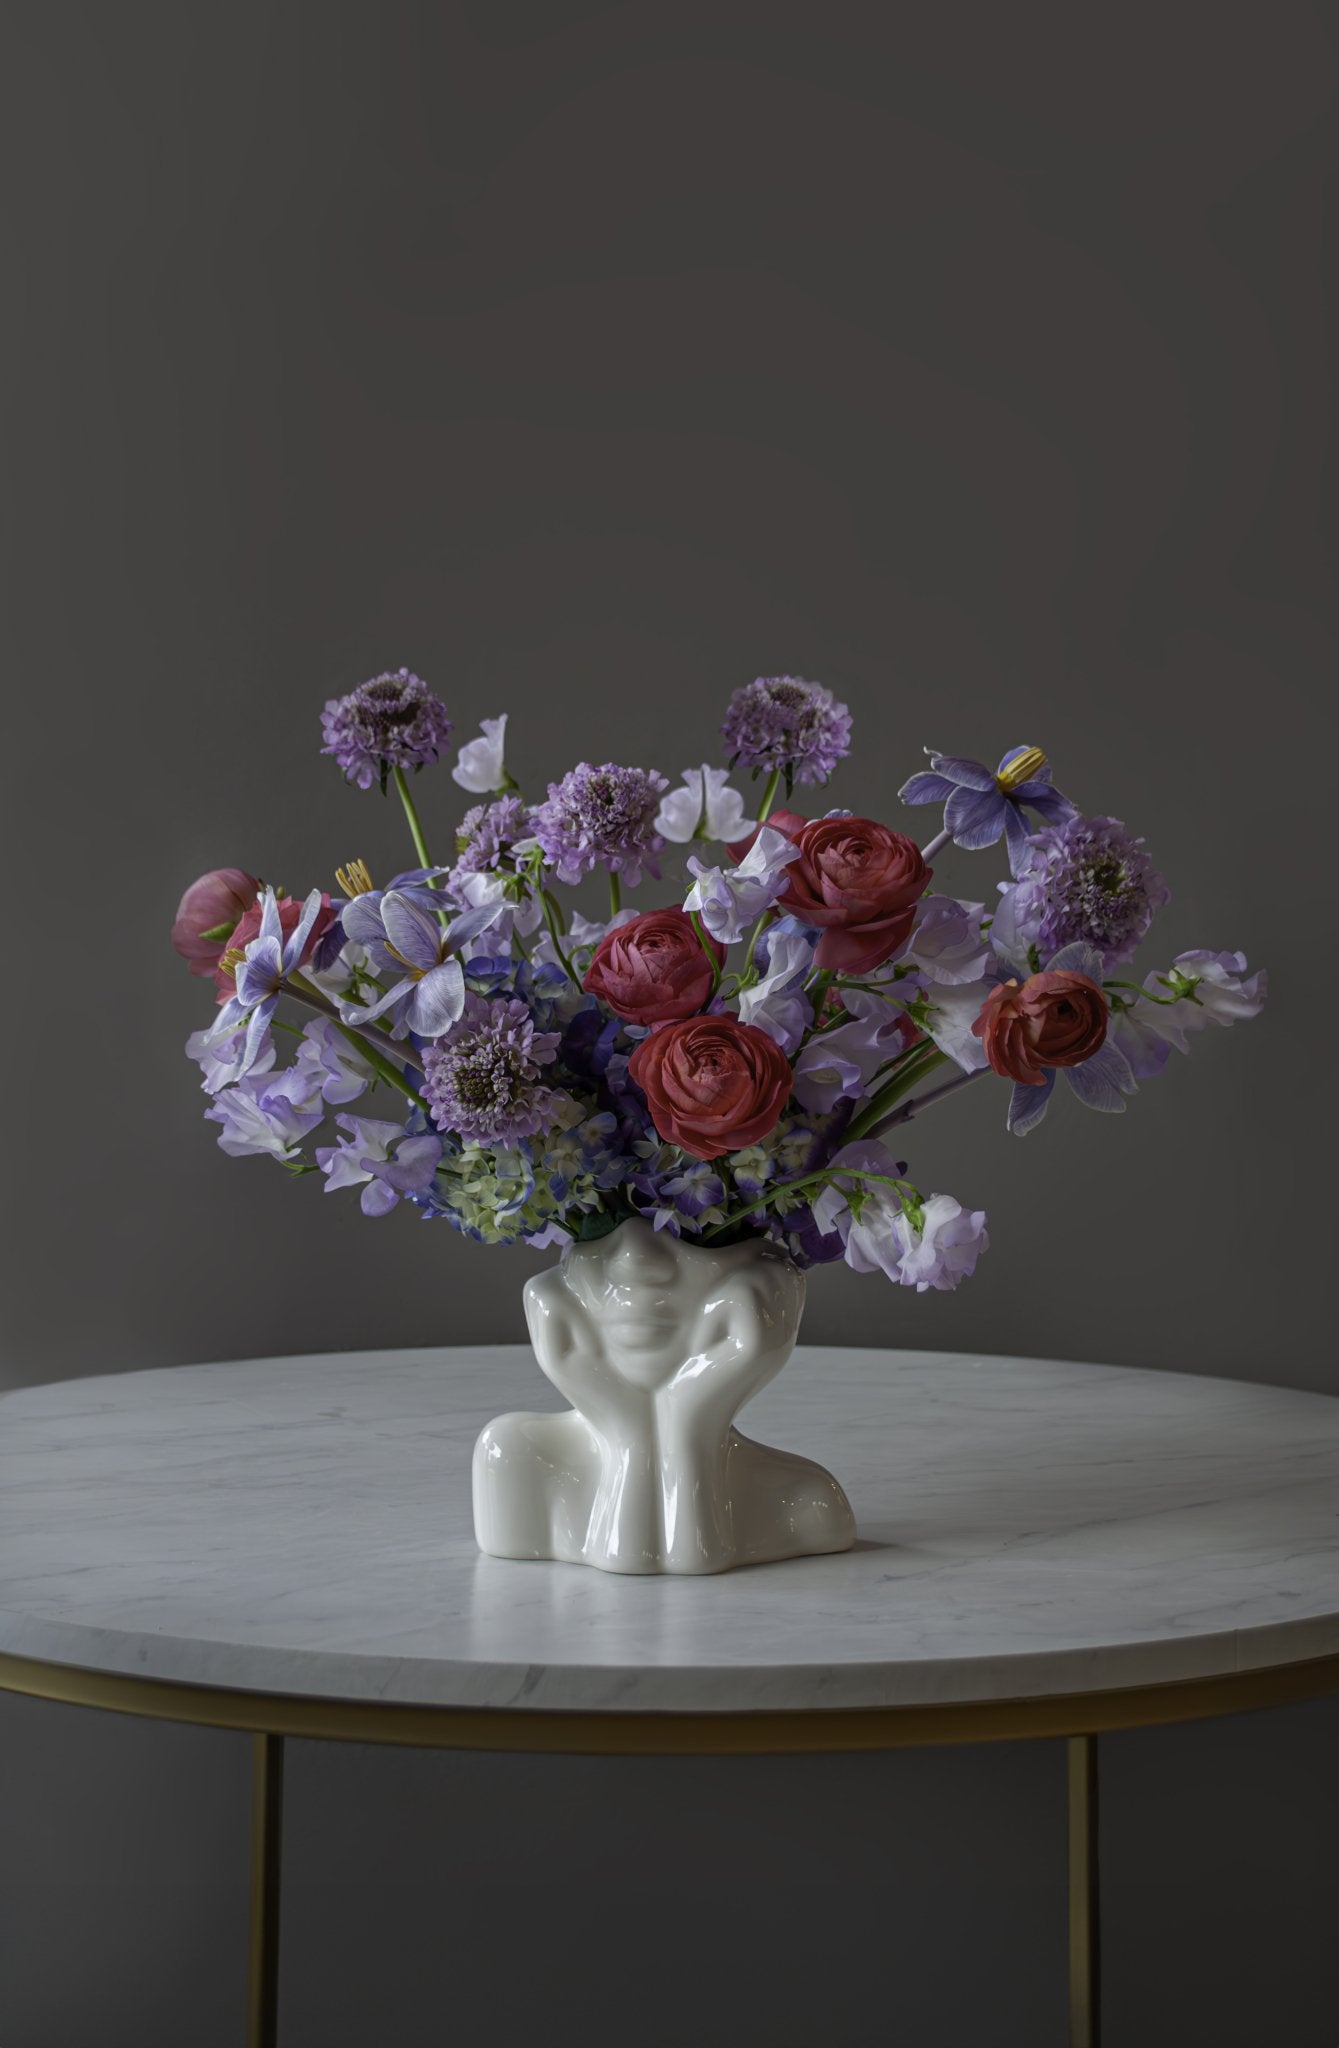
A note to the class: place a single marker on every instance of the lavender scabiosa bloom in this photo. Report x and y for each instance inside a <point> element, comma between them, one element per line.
<point>1087,882</point>
<point>382,1158</point>
<point>980,805</point>
<point>482,1081</point>
<point>601,817</point>
<point>393,721</point>
<point>783,722</point>
<point>487,835</point>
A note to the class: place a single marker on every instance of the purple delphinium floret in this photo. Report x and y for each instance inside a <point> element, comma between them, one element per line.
<point>980,804</point>
<point>482,1081</point>
<point>393,721</point>
<point>488,832</point>
<point>602,817</point>
<point>1087,881</point>
<point>784,722</point>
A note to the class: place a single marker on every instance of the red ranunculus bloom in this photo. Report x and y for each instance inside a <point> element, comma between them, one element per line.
<point>857,880</point>
<point>219,898</point>
<point>653,970</point>
<point>1049,1020</point>
<point>248,928</point>
<point>713,1084</point>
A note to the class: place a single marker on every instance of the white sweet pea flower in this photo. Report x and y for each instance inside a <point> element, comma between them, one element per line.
<point>915,1242</point>
<point>730,900</point>
<point>705,808</point>
<point>479,763</point>
<point>948,944</point>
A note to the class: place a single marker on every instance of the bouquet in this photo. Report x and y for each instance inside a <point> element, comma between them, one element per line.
<point>738,1059</point>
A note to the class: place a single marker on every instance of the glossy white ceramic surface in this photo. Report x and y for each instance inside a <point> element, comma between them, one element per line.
<point>1027,1527</point>
<point>657,1345</point>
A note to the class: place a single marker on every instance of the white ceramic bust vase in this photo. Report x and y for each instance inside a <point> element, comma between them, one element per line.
<point>657,1344</point>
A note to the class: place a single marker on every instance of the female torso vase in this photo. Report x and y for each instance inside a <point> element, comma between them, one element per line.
<point>657,1344</point>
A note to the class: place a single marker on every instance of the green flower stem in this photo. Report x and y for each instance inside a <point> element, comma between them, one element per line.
<point>919,1102</point>
<point>553,919</point>
<point>380,1056</point>
<point>902,1081</point>
<point>750,972</point>
<point>1148,997</point>
<point>702,940</point>
<point>615,894</point>
<point>415,829</point>
<point>789,1187</point>
<point>769,794</point>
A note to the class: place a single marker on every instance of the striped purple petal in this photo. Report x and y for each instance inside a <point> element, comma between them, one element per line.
<point>1028,1104</point>
<point>967,774</point>
<point>927,788</point>
<point>976,818</point>
<point>1104,1081</point>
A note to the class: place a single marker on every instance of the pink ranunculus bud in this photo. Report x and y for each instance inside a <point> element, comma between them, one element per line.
<point>222,897</point>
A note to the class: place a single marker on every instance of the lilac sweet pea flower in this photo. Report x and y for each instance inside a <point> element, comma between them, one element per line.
<point>705,808</point>
<point>948,944</point>
<point>843,1060</point>
<point>891,1230</point>
<point>331,1065</point>
<point>729,900</point>
<point>979,805</point>
<point>407,939</point>
<point>382,1159</point>
<point>479,765</point>
<point>220,1055</point>
<point>777,1004</point>
<point>1215,989</point>
<point>266,1113</point>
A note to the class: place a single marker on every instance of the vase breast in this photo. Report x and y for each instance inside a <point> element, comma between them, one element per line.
<point>657,1344</point>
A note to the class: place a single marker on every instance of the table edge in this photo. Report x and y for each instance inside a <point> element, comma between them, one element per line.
<point>647,1733</point>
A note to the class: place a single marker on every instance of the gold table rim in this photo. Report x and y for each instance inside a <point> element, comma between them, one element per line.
<point>678,1732</point>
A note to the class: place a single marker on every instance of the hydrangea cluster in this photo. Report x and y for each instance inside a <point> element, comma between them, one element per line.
<point>393,721</point>
<point>728,1062</point>
<point>602,818</point>
<point>784,723</point>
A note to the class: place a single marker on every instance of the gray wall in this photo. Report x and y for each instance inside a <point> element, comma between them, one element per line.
<point>591,360</point>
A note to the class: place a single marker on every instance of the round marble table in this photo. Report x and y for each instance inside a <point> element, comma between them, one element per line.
<point>285,1546</point>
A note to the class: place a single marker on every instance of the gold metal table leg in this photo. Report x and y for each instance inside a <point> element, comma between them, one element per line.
<point>1085,2014</point>
<point>267,1824</point>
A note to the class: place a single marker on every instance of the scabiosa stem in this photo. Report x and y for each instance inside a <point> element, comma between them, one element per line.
<point>615,894</point>
<point>770,788</point>
<point>415,829</point>
<point>553,919</point>
<point>903,1080</point>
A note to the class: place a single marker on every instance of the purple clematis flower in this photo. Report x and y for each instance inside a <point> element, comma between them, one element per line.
<point>980,805</point>
<point>407,940</point>
<point>261,973</point>
<point>385,1160</point>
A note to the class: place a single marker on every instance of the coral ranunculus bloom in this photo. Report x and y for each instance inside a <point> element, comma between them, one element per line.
<point>654,969</point>
<point>1050,1020</point>
<point>712,1083</point>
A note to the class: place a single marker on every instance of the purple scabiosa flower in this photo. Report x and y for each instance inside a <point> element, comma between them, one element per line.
<point>382,1158</point>
<point>482,1081</point>
<point>393,721</point>
<point>488,833</point>
<point>266,1114</point>
<point>1084,882</point>
<point>601,817</point>
<point>784,722</point>
<point>980,805</point>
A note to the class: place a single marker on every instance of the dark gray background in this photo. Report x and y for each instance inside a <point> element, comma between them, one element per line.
<point>591,360</point>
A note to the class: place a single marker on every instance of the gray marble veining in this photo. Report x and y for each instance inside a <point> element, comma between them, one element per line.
<point>1027,1527</point>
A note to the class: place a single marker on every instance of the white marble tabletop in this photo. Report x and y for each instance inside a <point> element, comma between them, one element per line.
<point>302,1525</point>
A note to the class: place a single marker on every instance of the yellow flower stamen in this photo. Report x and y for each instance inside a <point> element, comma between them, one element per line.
<point>231,960</point>
<point>355,879</point>
<point>1020,769</point>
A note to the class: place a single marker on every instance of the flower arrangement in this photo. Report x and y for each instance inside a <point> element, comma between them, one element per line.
<point>730,1064</point>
